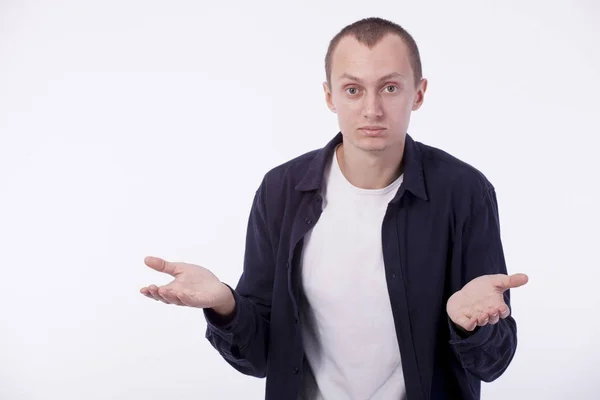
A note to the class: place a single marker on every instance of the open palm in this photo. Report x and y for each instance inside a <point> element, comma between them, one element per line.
<point>481,301</point>
<point>193,286</point>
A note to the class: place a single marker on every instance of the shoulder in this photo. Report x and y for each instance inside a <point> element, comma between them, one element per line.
<point>451,177</point>
<point>291,171</point>
<point>278,187</point>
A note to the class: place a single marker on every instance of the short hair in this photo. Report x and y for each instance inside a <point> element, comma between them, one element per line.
<point>370,31</point>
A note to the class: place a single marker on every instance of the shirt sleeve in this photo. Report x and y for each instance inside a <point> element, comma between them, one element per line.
<point>478,250</point>
<point>243,339</point>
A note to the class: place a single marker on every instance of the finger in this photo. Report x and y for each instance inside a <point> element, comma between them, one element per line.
<point>161,296</point>
<point>482,319</point>
<point>506,282</point>
<point>494,318</point>
<point>147,293</point>
<point>493,311</point>
<point>467,323</point>
<point>169,296</point>
<point>517,280</point>
<point>153,289</point>
<point>164,296</point>
<point>504,311</point>
<point>161,265</point>
<point>501,309</point>
<point>495,306</point>
<point>473,324</point>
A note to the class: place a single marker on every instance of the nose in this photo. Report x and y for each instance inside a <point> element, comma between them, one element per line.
<point>372,107</point>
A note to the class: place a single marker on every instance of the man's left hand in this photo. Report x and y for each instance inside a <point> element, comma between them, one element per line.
<point>481,301</point>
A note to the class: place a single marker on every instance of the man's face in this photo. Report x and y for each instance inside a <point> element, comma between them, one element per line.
<point>373,92</point>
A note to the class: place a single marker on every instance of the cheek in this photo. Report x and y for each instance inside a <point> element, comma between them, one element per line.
<point>401,102</point>
<point>347,111</point>
<point>345,119</point>
<point>348,107</point>
<point>398,108</point>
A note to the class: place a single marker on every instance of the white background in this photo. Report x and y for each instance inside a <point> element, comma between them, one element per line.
<point>134,128</point>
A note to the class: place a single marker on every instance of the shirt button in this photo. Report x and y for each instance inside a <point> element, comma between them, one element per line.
<point>307,220</point>
<point>295,371</point>
<point>393,276</point>
<point>296,320</point>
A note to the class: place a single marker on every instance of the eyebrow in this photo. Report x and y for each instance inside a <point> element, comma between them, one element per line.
<point>383,78</point>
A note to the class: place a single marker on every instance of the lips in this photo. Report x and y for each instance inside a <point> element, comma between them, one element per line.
<point>372,130</point>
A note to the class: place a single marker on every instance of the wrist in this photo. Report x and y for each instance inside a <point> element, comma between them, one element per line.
<point>227,307</point>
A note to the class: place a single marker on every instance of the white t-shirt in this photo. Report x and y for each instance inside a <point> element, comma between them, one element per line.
<point>347,323</point>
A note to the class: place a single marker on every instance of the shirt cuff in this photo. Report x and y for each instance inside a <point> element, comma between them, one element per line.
<point>475,339</point>
<point>220,324</point>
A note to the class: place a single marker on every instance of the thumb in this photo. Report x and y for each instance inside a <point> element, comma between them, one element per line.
<point>513,281</point>
<point>161,265</point>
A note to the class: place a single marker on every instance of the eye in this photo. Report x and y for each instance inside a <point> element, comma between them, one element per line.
<point>352,91</point>
<point>391,88</point>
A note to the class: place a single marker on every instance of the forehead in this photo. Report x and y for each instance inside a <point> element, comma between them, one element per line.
<point>389,55</point>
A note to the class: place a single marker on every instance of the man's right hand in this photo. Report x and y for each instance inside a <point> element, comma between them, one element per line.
<point>193,286</point>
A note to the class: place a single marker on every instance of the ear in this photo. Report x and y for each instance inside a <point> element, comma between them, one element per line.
<point>420,95</point>
<point>328,99</point>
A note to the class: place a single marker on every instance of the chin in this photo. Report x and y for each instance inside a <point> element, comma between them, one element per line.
<point>372,143</point>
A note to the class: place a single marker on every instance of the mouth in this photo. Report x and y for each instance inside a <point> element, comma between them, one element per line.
<point>372,130</point>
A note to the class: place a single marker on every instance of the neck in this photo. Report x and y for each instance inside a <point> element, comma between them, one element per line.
<point>370,170</point>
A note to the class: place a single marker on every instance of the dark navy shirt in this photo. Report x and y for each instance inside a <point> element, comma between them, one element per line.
<point>439,232</point>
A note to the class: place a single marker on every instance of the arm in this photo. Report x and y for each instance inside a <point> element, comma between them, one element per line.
<point>487,351</point>
<point>240,332</point>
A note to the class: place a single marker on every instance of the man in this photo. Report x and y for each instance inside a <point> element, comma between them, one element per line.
<point>374,266</point>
